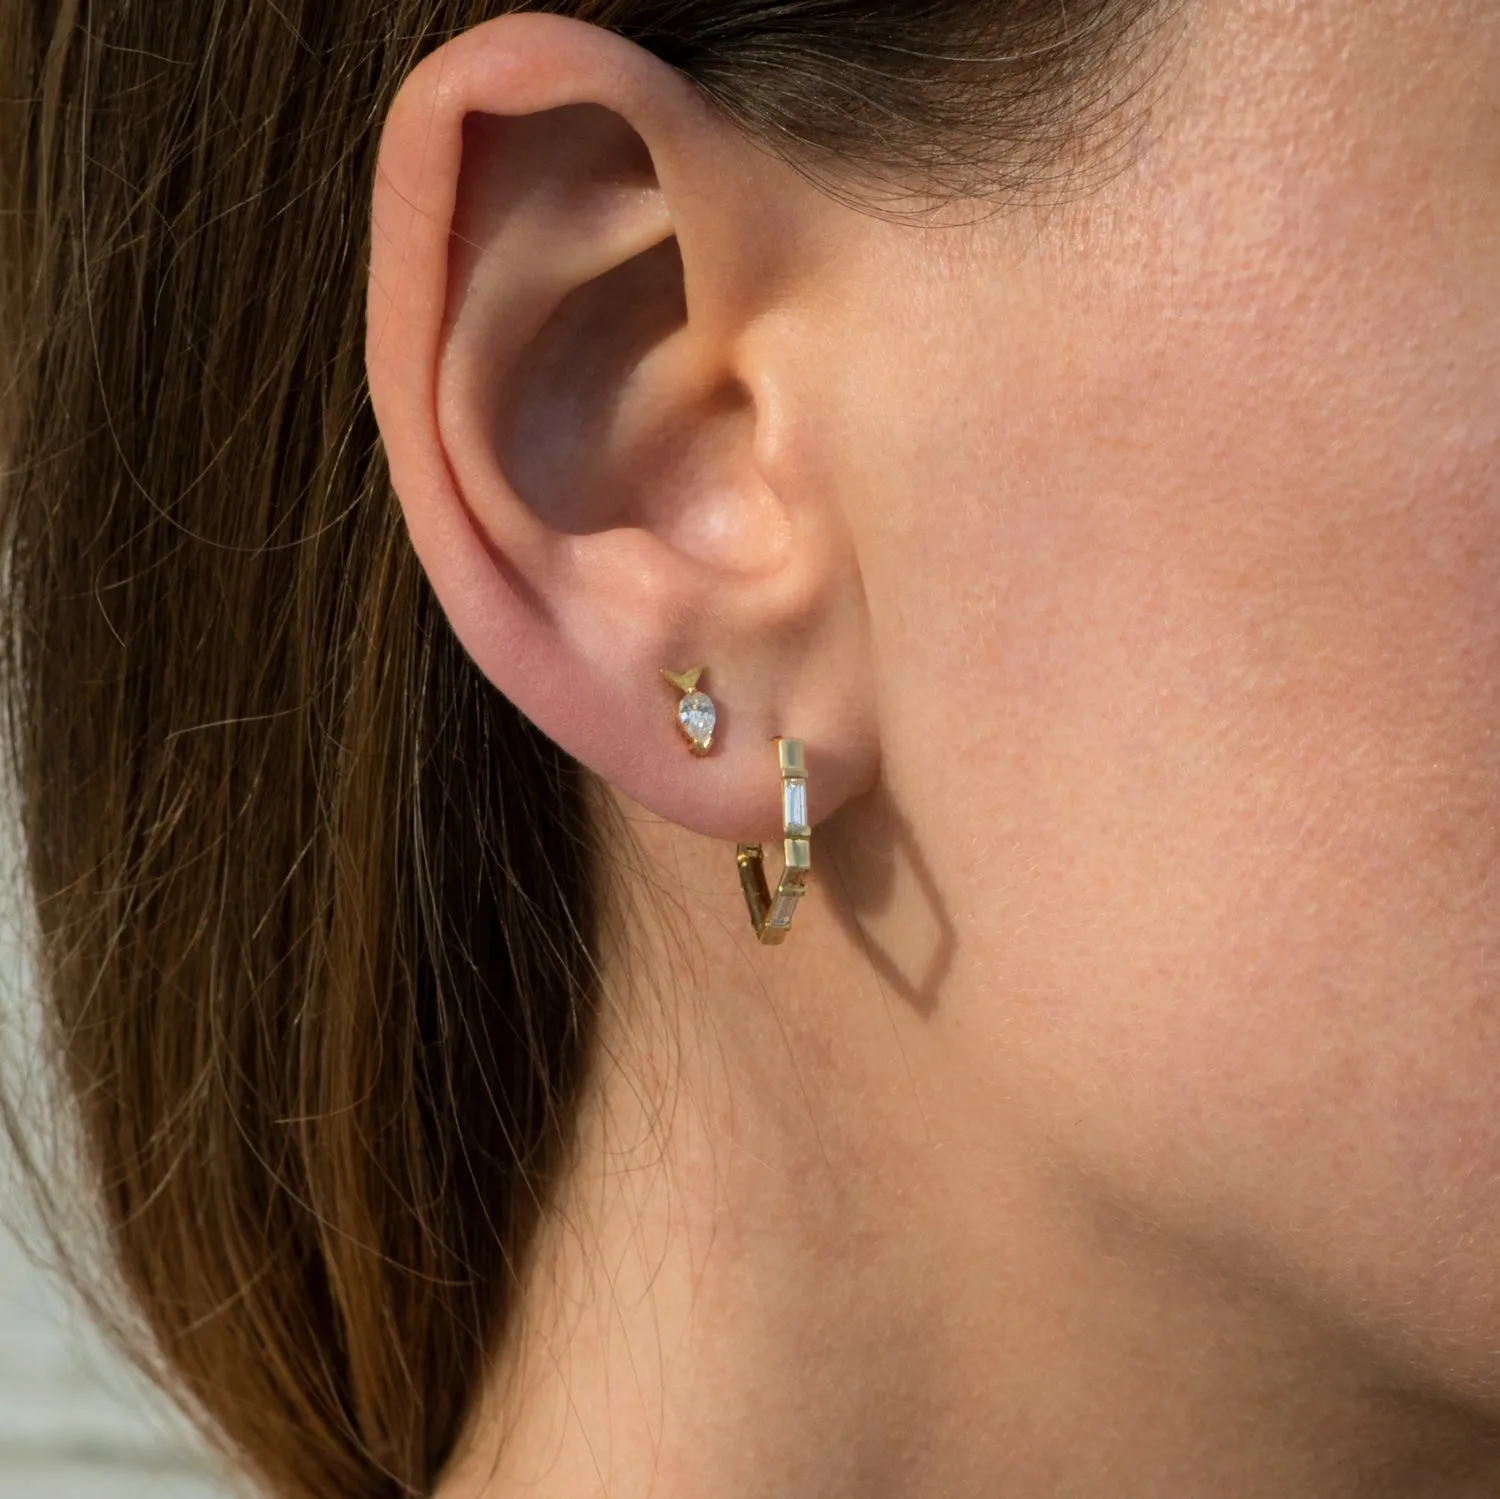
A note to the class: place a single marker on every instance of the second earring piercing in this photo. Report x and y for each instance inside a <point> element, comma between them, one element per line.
<point>696,715</point>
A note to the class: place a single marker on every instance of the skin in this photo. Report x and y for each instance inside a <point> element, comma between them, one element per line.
<point>1120,1117</point>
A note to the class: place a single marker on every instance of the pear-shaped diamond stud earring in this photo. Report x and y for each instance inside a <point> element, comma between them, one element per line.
<point>696,715</point>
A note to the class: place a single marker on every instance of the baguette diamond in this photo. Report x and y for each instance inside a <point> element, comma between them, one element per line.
<point>794,796</point>
<point>782,909</point>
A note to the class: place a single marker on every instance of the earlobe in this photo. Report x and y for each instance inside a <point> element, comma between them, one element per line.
<point>561,290</point>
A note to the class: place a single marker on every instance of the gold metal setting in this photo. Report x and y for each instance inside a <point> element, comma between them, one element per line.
<point>684,681</point>
<point>696,715</point>
<point>772,916</point>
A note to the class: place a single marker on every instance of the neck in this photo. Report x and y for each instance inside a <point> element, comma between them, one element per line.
<point>786,1262</point>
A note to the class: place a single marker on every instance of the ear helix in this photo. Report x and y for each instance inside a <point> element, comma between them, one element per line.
<point>770,915</point>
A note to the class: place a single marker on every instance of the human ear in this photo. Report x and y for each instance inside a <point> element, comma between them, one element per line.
<point>587,291</point>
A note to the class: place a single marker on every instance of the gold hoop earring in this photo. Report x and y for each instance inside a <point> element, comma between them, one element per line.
<point>772,918</point>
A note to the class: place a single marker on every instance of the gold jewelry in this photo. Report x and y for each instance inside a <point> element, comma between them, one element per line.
<point>696,715</point>
<point>772,919</point>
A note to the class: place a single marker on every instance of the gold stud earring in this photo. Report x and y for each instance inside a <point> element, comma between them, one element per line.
<point>772,918</point>
<point>696,715</point>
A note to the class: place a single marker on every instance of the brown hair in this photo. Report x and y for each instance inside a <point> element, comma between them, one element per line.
<point>313,901</point>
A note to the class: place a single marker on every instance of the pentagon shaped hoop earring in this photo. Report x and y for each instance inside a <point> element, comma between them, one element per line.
<point>771,916</point>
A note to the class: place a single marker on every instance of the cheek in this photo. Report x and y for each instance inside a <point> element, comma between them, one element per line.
<point>1245,626</point>
<point>1241,860</point>
<point>1259,961</point>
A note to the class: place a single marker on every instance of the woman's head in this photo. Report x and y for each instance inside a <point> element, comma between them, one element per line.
<point>315,901</point>
<point>1075,423</point>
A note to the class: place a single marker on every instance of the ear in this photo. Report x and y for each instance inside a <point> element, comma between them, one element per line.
<point>587,292</point>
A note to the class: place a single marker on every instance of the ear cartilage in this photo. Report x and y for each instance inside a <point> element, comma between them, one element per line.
<point>771,916</point>
<point>696,715</point>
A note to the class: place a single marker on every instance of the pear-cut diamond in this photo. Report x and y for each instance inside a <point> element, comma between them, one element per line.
<point>698,717</point>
